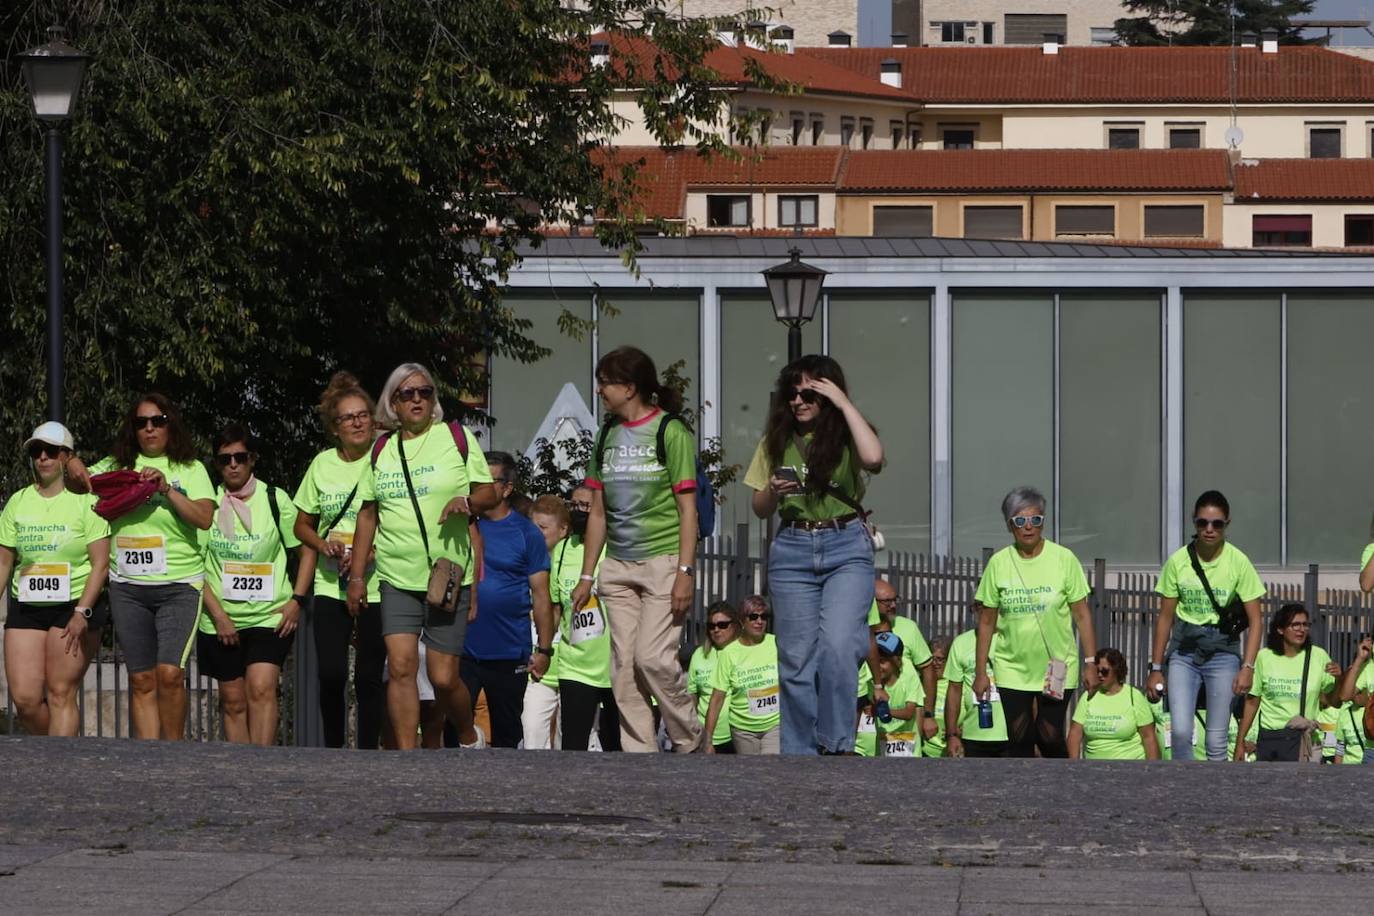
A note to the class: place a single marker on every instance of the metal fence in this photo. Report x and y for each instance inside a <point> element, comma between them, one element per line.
<point>935,591</point>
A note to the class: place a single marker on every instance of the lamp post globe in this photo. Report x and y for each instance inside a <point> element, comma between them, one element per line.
<point>795,290</point>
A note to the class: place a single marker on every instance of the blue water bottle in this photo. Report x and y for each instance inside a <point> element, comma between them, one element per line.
<point>985,713</point>
<point>883,711</point>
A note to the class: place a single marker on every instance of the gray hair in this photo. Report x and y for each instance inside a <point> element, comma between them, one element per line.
<point>385,414</point>
<point>1022,498</point>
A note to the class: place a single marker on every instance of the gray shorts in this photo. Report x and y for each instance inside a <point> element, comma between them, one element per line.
<point>154,624</point>
<point>405,611</point>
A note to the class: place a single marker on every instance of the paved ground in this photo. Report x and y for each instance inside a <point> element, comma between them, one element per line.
<point>194,828</point>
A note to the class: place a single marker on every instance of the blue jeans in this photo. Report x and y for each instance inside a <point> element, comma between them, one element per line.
<point>1184,675</point>
<point>821,584</point>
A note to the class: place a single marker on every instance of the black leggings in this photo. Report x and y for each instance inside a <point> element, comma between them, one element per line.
<point>333,635</point>
<point>1050,717</point>
<point>577,703</point>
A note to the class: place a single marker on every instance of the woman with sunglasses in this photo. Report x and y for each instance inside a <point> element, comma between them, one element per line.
<point>251,609</point>
<point>722,628</point>
<point>746,675</point>
<point>157,569</point>
<point>1032,594</point>
<point>1188,644</point>
<point>1113,721</point>
<point>327,500</point>
<point>58,552</point>
<point>810,467</point>
<point>415,498</point>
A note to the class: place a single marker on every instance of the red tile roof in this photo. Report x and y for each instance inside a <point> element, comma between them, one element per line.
<point>1017,170</point>
<point>1021,75</point>
<point>1305,179</point>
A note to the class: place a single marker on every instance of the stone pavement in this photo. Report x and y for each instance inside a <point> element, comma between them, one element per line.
<point>156,828</point>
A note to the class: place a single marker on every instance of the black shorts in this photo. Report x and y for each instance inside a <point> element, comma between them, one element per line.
<point>257,645</point>
<point>47,616</point>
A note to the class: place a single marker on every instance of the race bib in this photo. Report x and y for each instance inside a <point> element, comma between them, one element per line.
<point>248,582</point>
<point>866,724</point>
<point>1328,735</point>
<point>1056,672</point>
<point>763,701</point>
<point>1169,738</point>
<point>46,583</point>
<point>900,744</point>
<point>141,556</point>
<point>586,624</point>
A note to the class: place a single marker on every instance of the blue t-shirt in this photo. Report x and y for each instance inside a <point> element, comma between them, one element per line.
<point>512,551</point>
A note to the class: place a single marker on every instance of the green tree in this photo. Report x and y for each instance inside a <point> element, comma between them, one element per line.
<point>260,193</point>
<point>1208,22</point>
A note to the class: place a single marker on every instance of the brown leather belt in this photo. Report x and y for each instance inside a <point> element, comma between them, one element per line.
<point>810,525</point>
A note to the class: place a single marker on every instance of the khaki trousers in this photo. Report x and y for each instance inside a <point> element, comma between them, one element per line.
<point>637,595</point>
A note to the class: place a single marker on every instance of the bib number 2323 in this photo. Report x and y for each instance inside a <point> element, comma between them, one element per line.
<point>248,582</point>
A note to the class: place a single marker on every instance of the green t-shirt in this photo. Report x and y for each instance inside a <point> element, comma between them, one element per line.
<point>152,543</point>
<point>1164,731</point>
<point>807,506</point>
<point>1364,557</point>
<point>915,649</point>
<point>935,747</point>
<point>1032,598</point>
<point>247,572</point>
<point>328,484</point>
<point>961,666</point>
<point>1350,737</point>
<point>49,537</point>
<point>699,672</point>
<point>1112,723</point>
<point>901,737</point>
<point>642,520</point>
<point>1278,684</point>
<point>584,654</point>
<point>1365,681</point>
<point>748,676</point>
<point>1229,573</point>
<point>438,474</point>
<point>866,732</point>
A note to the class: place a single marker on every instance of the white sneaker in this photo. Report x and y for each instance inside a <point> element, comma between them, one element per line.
<point>477,745</point>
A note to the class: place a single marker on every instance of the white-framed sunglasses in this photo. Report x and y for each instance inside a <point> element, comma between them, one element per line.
<point>1021,521</point>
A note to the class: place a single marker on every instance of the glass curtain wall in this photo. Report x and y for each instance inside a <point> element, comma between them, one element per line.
<point>666,325</point>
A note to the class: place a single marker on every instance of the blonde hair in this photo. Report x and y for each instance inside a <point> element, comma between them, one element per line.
<point>554,507</point>
<point>385,414</point>
<point>341,385</point>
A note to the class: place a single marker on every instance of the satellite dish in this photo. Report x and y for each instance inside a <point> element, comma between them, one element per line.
<point>1234,137</point>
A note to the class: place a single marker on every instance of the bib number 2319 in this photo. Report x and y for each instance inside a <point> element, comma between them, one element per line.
<point>141,556</point>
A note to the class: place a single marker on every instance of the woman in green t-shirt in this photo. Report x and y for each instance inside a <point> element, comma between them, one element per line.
<point>328,502</point>
<point>746,676</point>
<point>58,552</point>
<point>722,628</point>
<point>157,569</point>
<point>1113,721</point>
<point>252,611</point>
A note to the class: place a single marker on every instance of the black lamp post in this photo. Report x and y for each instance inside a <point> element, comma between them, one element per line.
<point>795,289</point>
<point>54,73</point>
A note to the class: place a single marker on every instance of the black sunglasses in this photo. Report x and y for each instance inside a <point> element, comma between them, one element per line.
<point>421,392</point>
<point>806,394</point>
<point>720,624</point>
<point>1218,523</point>
<point>758,615</point>
<point>1103,672</point>
<point>44,450</point>
<point>156,422</point>
<point>224,459</point>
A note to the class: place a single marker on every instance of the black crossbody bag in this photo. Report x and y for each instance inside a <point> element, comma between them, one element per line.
<point>1232,619</point>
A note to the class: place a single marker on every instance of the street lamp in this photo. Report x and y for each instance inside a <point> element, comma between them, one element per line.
<point>54,73</point>
<point>795,289</point>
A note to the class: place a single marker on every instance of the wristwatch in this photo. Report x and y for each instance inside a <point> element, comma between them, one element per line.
<point>85,612</point>
<point>301,599</point>
<point>1089,659</point>
<point>687,570</point>
<point>544,650</point>
<point>1156,669</point>
<point>927,714</point>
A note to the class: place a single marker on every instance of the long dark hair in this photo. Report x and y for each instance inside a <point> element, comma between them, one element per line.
<point>1273,639</point>
<point>180,448</point>
<point>831,434</point>
<point>632,366</point>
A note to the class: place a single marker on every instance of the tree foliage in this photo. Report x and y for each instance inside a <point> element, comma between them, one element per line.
<point>1208,22</point>
<point>259,193</point>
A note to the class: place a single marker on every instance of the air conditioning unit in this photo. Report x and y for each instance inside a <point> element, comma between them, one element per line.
<point>972,39</point>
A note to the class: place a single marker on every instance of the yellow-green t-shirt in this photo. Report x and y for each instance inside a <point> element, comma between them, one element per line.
<point>584,654</point>
<point>49,536</point>
<point>699,672</point>
<point>1112,723</point>
<point>901,737</point>
<point>866,731</point>
<point>152,544</point>
<point>247,572</point>
<point>748,676</point>
<point>807,506</point>
<point>1229,573</point>
<point>330,487</point>
<point>961,666</point>
<point>1278,684</point>
<point>438,474</point>
<point>1032,597</point>
<point>935,747</point>
<point>1364,557</point>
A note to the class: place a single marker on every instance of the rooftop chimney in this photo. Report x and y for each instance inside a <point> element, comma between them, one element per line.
<point>892,73</point>
<point>601,53</point>
<point>839,39</point>
<point>899,39</point>
<point>1249,40</point>
<point>1271,41</point>
<point>1051,43</point>
<point>784,37</point>
<point>756,34</point>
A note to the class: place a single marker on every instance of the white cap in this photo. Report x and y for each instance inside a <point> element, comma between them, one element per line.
<point>52,433</point>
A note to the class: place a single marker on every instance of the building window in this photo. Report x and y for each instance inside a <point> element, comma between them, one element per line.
<point>957,137</point>
<point>798,128</point>
<point>1185,138</point>
<point>1282,231</point>
<point>1175,221</point>
<point>1324,142</point>
<point>1085,220</point>
<point>1359,230</point>
<point>903,222</point>
<point>987,33</point>
<point>866,132</point>
<point>898,133</point>
<point>951,31</point>
<point>797,210</point>
<point>765,126</point>
<point>1123,136</point>
<point>993,222</point>
<point>727,210</point>
<point>846,131</point>
<point>1102,36</point>
<point>817,129</point>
